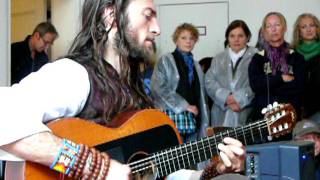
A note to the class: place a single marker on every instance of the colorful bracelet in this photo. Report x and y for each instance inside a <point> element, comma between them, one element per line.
<point>80,161</point>
<point>66,158</point>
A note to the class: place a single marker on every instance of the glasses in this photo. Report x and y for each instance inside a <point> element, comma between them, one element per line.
<point>46,42</point>
<point>306,26</point>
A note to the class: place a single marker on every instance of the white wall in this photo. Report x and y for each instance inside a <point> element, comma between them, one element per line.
<point>4,42</point>
<point>208,16</point>
<point>66,18</point>
<point>252,12</point>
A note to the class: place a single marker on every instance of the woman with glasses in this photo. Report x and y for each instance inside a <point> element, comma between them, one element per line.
<point>306,41</point>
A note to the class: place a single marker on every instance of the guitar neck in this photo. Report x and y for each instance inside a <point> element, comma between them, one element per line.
<point>180,157</point>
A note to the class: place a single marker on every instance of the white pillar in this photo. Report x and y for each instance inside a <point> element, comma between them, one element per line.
<point>5,42</point>
<point>66,18</point>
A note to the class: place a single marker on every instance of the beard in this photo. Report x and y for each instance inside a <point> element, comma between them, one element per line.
<point>137,50</point>
<point>130,45</point>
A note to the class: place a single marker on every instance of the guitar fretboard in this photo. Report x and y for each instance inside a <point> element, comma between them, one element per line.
<point>185,155</point>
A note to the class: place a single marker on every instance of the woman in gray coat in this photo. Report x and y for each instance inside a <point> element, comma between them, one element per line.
<point>177,84</point>
<point>227,81</point>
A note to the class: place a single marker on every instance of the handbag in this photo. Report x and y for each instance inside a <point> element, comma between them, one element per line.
<point>184,121</point>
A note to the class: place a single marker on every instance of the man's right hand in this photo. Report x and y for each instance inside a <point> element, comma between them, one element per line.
<point>118,171</point>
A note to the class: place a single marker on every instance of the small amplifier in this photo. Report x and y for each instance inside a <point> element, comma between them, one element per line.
<point>285,160</point>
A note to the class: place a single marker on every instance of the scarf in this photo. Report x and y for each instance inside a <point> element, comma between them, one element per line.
<point>188,59</point>
<point>309,50</point>
<point>278,57</point>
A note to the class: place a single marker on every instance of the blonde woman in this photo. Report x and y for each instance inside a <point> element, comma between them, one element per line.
<point>276,73</point>
<point>306,41</point>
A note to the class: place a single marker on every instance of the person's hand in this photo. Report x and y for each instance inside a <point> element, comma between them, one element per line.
<point>287,78</point>
<point>230,99</point>
<point>235,107</point>
<point>232,103</point>
<point>232,155</point>
<point>118,171</point>
<point>193,109</point>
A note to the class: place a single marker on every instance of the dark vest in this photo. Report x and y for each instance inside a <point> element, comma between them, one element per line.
<point>93,109</point>
<point>190,93</point>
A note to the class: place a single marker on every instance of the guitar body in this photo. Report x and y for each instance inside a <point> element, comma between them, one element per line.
<point>131,136</point>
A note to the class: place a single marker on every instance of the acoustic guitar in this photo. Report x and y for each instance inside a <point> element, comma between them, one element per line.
<point>147,140</point>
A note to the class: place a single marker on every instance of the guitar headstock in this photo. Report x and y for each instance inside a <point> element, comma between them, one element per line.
<point>280,118</point>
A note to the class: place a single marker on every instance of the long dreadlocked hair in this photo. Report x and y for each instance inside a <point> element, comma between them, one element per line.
<point>88,48</point>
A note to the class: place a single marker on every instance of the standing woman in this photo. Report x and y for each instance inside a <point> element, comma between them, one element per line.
<point>306,41</point>
<point>227,81</point>
<point>276,73</point>
<point>177,85</point>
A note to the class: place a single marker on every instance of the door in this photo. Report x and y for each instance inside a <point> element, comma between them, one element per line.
<point>211,19</point>
<point>25,16</point>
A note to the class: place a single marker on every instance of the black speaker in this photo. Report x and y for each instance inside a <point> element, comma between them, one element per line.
<point>281,160</point>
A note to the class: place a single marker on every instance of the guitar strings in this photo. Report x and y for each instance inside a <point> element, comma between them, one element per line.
<point>172,153</point>
<point>207,143</point>
<point>170,157</point>
<point>179,161</point>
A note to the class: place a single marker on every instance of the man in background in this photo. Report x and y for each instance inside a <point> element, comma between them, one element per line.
<point>31,54</point>
<point>307,130</point>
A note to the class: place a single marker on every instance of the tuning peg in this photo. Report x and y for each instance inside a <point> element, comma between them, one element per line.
<point>281,105</point>
<point>274,130</point>
<point>275,104</point>
<point>264,110</point>
<point>269,107</point>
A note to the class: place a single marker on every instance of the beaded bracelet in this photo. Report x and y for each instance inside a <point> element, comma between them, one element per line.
<point>106,166</point>
<point>78,161</point>
<point>90,164</point>
<point>66,157</point>
<point>76,164</point>
<point>82,162</point>
<point>210,171</point>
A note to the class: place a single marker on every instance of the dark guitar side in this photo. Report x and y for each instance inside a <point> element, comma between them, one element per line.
<point>144,131</point>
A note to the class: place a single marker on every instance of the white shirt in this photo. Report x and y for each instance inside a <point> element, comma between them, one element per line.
<point>236,56</point>
<point>58,89</point>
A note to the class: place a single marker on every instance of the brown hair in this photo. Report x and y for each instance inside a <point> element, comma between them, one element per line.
<point>45,27</point>
<point>296,40</point>
<point>88,48</point>
<point>235,24</point>
<point>185,27</point>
